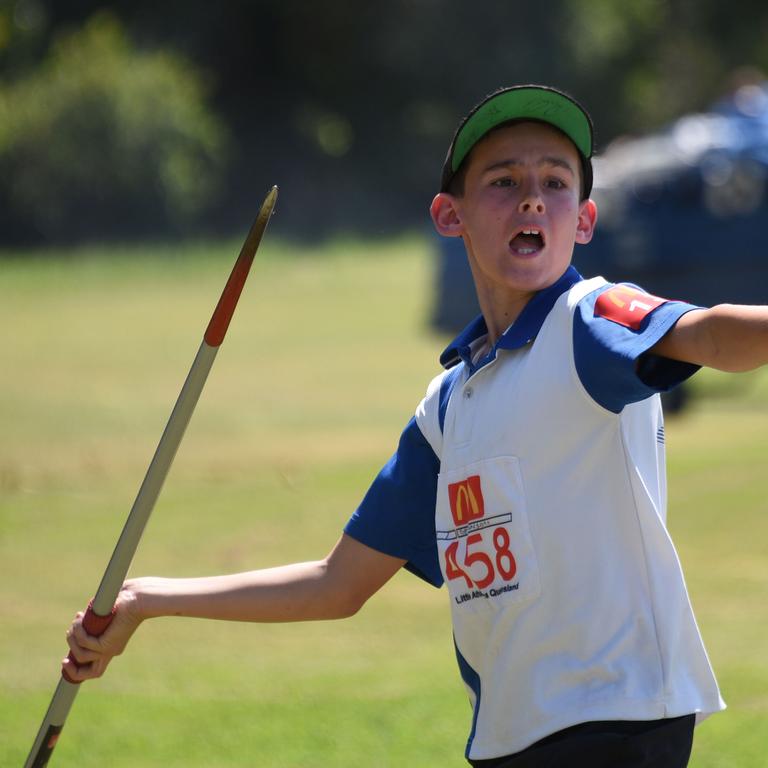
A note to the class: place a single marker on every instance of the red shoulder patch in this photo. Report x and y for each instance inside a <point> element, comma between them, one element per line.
<point>626,306</point>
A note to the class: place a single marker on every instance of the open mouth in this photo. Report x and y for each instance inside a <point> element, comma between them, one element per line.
<point>527,242</point>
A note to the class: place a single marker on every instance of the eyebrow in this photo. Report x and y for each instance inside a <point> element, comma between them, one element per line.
<point>557,162</point>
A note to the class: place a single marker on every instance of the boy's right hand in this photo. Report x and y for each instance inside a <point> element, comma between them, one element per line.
<point>91,655</point>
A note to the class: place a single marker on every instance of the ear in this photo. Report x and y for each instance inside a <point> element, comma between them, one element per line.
<point>445,215</point>
<point>585,227</point>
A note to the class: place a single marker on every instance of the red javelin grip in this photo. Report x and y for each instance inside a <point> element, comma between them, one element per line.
<point>217,328</point>
<point>95,626</point>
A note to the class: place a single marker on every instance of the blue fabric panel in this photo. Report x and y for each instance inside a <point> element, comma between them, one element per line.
<point>446,387</point>
<point>472,679</point>
<point>610,358</point>
<point>397,515</point>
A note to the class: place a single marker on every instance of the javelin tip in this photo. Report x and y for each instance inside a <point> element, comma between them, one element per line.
<point>217,328</point>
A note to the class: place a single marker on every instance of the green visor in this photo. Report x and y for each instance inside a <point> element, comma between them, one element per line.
<point>523,102</point>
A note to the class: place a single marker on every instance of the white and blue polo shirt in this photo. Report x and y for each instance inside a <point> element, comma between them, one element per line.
<point>532,483</point>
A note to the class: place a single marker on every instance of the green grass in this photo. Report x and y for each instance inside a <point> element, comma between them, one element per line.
<point>326,359</point>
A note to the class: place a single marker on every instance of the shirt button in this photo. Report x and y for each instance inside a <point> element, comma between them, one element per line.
<point>468,393</point>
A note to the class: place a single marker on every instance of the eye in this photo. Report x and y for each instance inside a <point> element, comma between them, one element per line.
<point>556,183</point>
<point>505,181</point>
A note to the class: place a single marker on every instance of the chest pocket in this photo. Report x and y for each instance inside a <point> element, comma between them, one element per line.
<point>483,538</point>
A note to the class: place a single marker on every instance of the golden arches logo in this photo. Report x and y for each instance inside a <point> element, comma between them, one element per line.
<point>616,300</point>
<point>466,500</point>
<point>626,306</point>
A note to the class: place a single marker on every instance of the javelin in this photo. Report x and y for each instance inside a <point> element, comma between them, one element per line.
<point>100,610</point>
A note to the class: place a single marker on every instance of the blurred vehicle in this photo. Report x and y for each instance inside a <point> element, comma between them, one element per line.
<point>682,213</point>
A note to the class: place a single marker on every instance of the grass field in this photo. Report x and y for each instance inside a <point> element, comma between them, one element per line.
<point>326,358</point>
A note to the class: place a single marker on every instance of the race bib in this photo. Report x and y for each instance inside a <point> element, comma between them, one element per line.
<point>483,538</point>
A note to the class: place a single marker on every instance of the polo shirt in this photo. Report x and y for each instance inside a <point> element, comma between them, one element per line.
<point>531,481</point>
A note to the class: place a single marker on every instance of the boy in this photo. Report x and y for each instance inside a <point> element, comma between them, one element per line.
<point>530,480</point>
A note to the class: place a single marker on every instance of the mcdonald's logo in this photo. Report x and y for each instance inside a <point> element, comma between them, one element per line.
<point>466,500</point>
<point>626,306</point>
<point>615,299</point>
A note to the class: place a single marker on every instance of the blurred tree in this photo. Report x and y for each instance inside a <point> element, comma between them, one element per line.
<point>645,62</point>
<point>102,141</point>
<point>349,106</point>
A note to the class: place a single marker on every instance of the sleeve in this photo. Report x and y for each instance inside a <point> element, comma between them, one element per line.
<point>397,515</point>
<point>613,329</point>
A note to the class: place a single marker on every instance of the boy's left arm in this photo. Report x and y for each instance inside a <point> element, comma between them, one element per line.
<point>728,337</point>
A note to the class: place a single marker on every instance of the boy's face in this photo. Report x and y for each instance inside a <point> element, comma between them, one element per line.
<point>520,213</point>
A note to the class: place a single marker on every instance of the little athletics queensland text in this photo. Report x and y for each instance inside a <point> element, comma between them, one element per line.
<point>487,594</point>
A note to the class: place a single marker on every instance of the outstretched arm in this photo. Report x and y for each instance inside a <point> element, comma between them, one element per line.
<point>333,588</point>
<point>728,337</point>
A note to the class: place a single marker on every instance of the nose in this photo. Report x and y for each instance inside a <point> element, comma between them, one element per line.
<point>532,200</point>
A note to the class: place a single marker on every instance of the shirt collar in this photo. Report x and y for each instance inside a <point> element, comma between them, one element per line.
<point>520,333</point>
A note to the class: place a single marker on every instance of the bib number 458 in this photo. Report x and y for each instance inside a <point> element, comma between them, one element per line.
<point>487,568</point>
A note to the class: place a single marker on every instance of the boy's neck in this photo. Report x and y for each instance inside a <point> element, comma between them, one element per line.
<point>501,309</point>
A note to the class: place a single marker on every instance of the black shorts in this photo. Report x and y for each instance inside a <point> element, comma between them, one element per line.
<point>608,744</point>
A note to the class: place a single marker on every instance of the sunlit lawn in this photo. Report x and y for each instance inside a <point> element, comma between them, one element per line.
<point>326,359</point>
